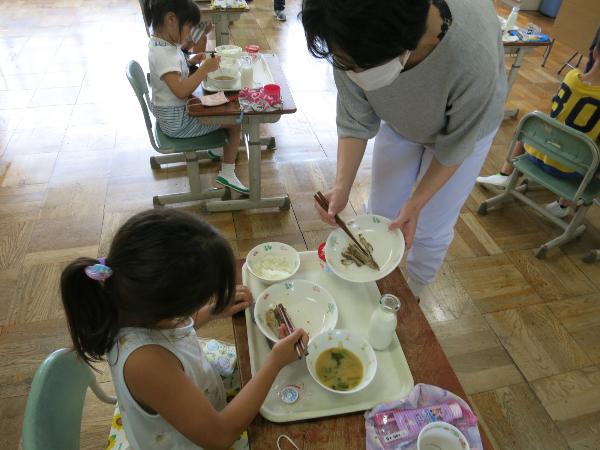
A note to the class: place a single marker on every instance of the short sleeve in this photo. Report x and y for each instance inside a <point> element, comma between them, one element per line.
<point>466,113</point>
<point>164,59</point>
<point>355,117</point>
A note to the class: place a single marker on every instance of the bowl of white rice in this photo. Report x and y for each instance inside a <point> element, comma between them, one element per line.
<point>273,262</point>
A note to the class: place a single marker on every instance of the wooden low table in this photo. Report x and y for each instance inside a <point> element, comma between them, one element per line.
<point>425,357</point>
<point>229,113</point>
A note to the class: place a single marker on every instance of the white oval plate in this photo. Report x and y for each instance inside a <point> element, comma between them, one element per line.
<point>309,306</point>
<point>388,248</point>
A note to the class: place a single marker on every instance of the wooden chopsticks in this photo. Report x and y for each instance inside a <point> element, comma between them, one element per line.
<point>324,203</point>
<point>283,318</point>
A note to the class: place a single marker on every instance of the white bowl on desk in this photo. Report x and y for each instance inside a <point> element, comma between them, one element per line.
<point>349,341</point>
<point>223,78</point>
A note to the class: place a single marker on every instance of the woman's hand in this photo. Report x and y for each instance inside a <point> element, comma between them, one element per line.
<point>338,199</point>
<point>284,351</point>
<point>407,221</point>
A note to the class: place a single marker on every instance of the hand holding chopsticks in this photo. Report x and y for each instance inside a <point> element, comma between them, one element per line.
<point>324,203</point>
<point>284,319</point>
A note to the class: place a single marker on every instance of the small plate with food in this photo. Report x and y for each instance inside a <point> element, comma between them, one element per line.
<point>385,249</point>
<point>308,305</point>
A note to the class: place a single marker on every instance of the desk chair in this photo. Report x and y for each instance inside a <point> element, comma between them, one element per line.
<point>55,402</point>
<point>570,148</point>
<point>188,150</point>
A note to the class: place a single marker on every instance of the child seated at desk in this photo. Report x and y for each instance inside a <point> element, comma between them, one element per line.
<point>166,274</point>
<point>171,22</point>
<point>576,104</point>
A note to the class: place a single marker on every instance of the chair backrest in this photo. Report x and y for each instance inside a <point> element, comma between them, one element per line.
<point>55,403</point>
<point>560,142</point>
<point>137,79</point>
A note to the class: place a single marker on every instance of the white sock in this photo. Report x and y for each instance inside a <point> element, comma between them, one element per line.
<point>228,170</point>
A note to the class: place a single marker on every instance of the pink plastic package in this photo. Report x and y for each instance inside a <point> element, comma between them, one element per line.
<point>404,425</point>
<point>396,425</point>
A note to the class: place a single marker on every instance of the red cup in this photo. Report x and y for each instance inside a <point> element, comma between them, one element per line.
<point>273,91</point>
<point>252,49</point>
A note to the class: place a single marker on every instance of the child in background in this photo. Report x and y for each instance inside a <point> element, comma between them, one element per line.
<point>576,104</point>
<point>167,272</point>
<point>171,22</point>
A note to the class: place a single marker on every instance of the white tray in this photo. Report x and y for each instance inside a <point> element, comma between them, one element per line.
<point>261,75</point>
<point>355,303</point>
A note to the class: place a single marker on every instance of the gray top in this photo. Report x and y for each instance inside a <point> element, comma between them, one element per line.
<point>451,99</point>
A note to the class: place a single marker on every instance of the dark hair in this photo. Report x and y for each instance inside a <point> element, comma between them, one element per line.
<point>367,32</point>
<point>595,46</point>
<point>166,264</point>
<point>155,11</point>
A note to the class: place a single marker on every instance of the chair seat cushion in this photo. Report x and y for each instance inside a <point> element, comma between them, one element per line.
<point>566,188</point>
<point>215,139</point>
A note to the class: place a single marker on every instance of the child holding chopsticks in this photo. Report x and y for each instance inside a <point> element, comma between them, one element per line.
<point>167,272</point>
<point>172,23</point>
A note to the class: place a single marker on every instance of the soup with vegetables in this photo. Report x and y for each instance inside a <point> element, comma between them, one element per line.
<point>339,369</point>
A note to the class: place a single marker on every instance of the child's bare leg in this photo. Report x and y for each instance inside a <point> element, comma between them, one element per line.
<point>500,180</point>
<point>507,167</point>
<point>231,149</point>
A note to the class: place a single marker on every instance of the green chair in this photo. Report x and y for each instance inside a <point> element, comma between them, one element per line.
<point>55,402</point>
<point>566,146</point>
<point>188,150</point>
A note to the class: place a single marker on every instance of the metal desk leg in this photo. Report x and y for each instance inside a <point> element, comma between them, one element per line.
<point>222,29</point>
<point>512,76</point>
<point>547,52</point>
<point>255,200</point>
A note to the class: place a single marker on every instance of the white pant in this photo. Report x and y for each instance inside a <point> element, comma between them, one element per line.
<point>397,165</point>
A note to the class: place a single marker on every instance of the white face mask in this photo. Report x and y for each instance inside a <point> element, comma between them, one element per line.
<point>379,76</point>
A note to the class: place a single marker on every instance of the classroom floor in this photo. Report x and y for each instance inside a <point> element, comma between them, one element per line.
<point>522,334</point>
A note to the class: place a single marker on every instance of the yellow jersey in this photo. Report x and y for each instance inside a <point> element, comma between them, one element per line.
<point>577,105</point>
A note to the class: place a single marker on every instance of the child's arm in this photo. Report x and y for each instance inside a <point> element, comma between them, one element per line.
<point>156,380</point>
<point>184,87</point>
<point>243,299</point>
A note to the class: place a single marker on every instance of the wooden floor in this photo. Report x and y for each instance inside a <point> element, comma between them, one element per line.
<point>522,334</point>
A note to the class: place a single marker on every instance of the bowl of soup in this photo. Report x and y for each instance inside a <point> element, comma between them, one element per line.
<point>223,78</point>
<point>341,361</point>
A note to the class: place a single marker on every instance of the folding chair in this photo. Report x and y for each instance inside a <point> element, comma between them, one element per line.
<point>570,148</point>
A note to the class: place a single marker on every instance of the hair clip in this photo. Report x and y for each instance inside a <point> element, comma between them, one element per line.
<point>100,271</point>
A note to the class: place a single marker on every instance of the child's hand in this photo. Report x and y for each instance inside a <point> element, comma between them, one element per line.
<point>243,299</point>
<point>211,64</point>
<point>284,351</point>
<point>197,59</point>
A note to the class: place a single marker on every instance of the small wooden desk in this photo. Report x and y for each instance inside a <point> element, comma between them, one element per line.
<point>425,357</point>
<point>230,114</point>
<point>518,49</point>
<point>221,18</point>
